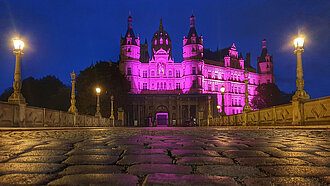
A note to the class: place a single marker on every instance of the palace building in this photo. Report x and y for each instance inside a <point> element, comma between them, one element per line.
<point>165,92</point>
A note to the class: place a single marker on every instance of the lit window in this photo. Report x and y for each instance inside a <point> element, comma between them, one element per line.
<point>193,70</point>
<point>178,86</point>
<point>161,41</point>
<point>177,73</point>
<point>166,41</point>
<point>129,71</point>
<point>155,42</point>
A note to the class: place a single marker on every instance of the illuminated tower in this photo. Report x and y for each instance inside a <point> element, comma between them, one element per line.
<point>193,63</point>
<point>130,55</point>
<point>265,65</point>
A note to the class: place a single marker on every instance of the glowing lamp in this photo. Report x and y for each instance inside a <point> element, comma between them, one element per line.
<point>98,90</point>
<point>218,107</point>
<point>18,44</point>
<point>299,42</point>
<point>222,89</point>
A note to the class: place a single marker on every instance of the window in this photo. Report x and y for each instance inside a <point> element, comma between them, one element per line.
<point>170,73</point>
<point>209,75</point>
<point>216,88</point>
<point>177,73</point>
<point>145,85</point>
<point>216,75</point>
<point>178,86</point>
<point>209,87</point>
<point>268,81</point>
<point>155,42</point>
<point>222,76</point>
<point>161,41</point>
<point>165,85</point>
<point>145,74</point>
<point>193,70</point>
<point>166,41</point>
<point>129,71</point>
<point>152,73</point>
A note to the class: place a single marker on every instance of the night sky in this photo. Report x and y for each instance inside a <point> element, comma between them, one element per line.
<point>65,35</point>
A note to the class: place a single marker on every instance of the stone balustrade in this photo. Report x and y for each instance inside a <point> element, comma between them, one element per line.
<point>13,115</point>
<point>311,112</point>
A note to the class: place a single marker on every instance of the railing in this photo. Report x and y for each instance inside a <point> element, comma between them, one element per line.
<point>12,115</point>
<point>311,112</point>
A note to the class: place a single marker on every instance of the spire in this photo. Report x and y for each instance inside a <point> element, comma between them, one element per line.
<point>129,21</point>
<point>192,20</point>
<point>264,43</point>
<point>161,24</point>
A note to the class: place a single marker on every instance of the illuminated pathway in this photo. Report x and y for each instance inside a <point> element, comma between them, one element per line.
<point>131,156</point>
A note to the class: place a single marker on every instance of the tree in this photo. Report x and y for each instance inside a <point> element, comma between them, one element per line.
<point>112,83</point>
<point>47,92</point>
<point>269,95</point>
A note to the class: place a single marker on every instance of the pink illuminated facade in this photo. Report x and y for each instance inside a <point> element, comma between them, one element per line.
<point>201,72</point>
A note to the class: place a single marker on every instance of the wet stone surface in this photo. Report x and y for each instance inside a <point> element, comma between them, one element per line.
<point>164,156</point>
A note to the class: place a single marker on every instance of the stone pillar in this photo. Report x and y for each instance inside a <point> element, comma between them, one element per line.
<point>112,117</point>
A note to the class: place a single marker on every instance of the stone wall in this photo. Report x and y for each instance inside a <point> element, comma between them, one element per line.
<point>12,115</point>
<point>311,112</point>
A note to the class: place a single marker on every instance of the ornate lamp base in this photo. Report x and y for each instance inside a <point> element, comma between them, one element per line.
<point>16,98</point>
<point>247,108</point>
<point>300,95</point>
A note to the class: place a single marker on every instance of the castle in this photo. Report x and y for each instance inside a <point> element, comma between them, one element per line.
<point>158,79</point>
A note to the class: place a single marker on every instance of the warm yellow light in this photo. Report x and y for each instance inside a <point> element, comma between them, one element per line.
<point>18,44</point>
<point>222,89</point>
<point>98,90</point>
<point>218,107</point>
<point>299,42</point>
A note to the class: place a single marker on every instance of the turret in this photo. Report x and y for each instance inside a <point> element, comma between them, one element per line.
<point>130,45</point>
<point>192,55</point>
<point>192,44</point>
<point>130,56</point>
<point>265,63</point>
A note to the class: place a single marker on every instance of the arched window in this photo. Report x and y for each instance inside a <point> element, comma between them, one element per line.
<point>155,41</point>
<point>166,41</point>
<point>161,41</point>
<point>152,73</point>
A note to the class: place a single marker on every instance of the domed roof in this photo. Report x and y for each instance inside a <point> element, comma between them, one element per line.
<point>161,39</point>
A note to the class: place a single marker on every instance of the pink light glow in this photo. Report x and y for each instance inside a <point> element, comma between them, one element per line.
<point>193,75</point>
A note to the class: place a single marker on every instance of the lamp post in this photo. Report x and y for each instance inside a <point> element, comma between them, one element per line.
<point>300,93</point>
<point>112,117</point>
<point>73,109</point>
<point>247,106</point>
<point>98,91</point>
<point>222,90</point>
<point>17,97</point>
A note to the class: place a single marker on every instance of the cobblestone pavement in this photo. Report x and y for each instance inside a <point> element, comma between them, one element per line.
<point>153,156</point>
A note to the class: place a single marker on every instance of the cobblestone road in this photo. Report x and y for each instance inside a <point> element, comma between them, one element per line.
<point>191,156</point>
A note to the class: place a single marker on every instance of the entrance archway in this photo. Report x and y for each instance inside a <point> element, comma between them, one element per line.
<point>162,116</point>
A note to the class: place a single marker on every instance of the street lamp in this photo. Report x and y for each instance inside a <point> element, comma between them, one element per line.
<point>17,97</point>
<point>73,109</point>
<point>98,92</point>
<point>112,117</point>
<point>300,93</point>
<point>247,106</point>
<point>222,90</point>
